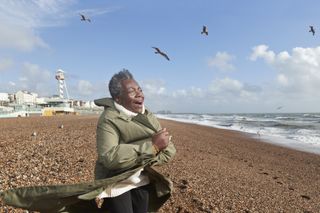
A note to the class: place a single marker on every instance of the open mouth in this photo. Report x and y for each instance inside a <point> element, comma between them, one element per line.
<point>138,103</point>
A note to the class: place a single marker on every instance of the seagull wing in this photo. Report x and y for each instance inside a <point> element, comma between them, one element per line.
<point>161,53</point>
<point>165,55</point>
<point>157,49</point>
<point>82,17</point>
<point>204,30</point>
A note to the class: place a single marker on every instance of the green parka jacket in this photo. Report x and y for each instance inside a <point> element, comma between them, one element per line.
<point>124,146</point>
<point>124,142</point>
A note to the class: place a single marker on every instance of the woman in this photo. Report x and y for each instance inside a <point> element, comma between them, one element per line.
<point>129,141</point>
<point>123,142</point>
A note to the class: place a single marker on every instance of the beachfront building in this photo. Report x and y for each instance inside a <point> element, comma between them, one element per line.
<point>4,99</point>
<point>11,98</point>
<point>84,104</point>
<point>56,105</point>
<point>75,103</point>
<point>86,107</point>
<point>25,104</point>
<point>87,104</point>
<point>25,97</point>
<point>40,100</point>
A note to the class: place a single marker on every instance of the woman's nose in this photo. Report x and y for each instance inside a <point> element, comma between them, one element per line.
<point>139,93</point>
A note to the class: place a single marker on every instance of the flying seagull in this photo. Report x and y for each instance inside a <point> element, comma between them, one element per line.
<point>279,107</point>
<point>83,18</point>
<point>312,30</point>
<point>158,51</point>
<point>204,30</point>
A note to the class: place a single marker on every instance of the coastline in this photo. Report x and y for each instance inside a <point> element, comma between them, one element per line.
<point>227,171</point>
<point>214,170</point>
<point>287,142</point>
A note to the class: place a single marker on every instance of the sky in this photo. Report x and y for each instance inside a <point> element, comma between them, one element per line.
<point>258,57</point>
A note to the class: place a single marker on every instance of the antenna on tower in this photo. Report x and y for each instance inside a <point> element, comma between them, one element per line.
<point>61,83</point>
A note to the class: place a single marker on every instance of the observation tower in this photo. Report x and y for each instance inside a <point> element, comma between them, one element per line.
<point>61,84</point>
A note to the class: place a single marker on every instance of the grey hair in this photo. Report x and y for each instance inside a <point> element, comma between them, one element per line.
<point>115,86</point>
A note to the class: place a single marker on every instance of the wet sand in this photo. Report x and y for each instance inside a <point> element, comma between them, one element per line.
<point>214,170</point>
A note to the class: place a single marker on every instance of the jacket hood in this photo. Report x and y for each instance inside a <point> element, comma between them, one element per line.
<point>105,102</point>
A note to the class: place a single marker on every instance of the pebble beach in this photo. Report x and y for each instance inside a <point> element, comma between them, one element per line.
<point>214,170</point>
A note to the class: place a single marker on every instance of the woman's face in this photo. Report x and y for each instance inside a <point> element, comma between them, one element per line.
<point>131,96</point>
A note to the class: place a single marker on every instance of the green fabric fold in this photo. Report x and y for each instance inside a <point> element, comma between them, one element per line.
<point>58,198</point>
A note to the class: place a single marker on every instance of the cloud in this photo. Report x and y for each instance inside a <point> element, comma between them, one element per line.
<point>282,80</point>
<point>261,51</point>
<point>20,38</point>
<point>231,90</point>
<point>158,97</point>
<point>156,88</point>
<point>20,21</point>
<point>85,88</point>
<point>153,87</point>
<point>97,11</point>
<point>181,93</point>
<point>32,78</point>
<point>222,61</point>
<point>225,85</point>
<point>36,79</point>
<point>219,95</point>
<point>197,92</point>
<point>297,73</point>
<point>11,83</point>
<point>5,64</point>
<point>189,93</point>
<point>9,87</point>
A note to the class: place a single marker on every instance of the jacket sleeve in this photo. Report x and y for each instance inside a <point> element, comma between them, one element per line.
<point>165,155</point>
<point>115,156</point>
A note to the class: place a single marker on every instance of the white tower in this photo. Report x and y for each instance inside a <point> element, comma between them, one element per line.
<point>61,83</point>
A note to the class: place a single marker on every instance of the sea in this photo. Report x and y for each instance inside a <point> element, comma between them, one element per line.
<point>299,131</point>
